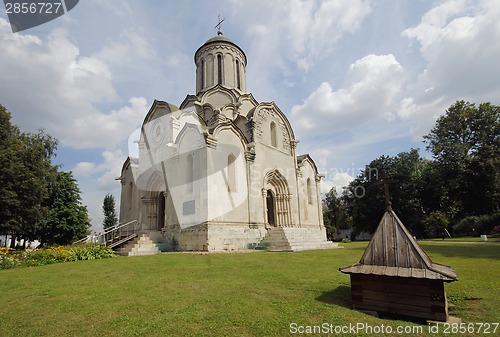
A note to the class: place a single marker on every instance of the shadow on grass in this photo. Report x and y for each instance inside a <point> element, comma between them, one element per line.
<point>340,296</point>
<point>467,250</point>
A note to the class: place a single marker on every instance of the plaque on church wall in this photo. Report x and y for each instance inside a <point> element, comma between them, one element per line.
<point>188,207</point>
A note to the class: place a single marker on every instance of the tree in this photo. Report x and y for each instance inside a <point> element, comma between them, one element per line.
<point>26,169</point>
<point>365,199</point>
<point>67,220</point>
<point>335,214</point>
<point>465,143</point>
<point>108,207</point>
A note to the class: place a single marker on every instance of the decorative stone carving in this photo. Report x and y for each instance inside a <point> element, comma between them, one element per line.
<point>261,118</point>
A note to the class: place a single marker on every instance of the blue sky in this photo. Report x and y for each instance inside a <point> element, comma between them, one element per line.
<point>356,78</point>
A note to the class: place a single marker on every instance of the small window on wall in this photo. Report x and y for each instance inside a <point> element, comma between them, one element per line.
<point>231,173</point>
<point>202,73</point>
<point>219,69</point>
<point>238,80</point>
<point>309,191</point>
<point>274,139</point>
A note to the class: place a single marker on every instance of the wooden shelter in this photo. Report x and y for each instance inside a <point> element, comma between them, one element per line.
<point>396,276</point>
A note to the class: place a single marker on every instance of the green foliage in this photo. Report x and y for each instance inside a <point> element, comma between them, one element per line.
<point>435,224</point>
<point>364,197</point>
<point>335,214</point>
<point>477,225</point>
<point>174,244</point>
<point>463,179</point>
<point>10,258</point>
<point>67,220</point>
<point>25,163</point>
<point>89,252</point>
<point>465,143</point>
<point>110,217</point>
<point>38,202</point>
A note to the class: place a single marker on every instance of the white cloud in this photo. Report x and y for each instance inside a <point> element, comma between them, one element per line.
<point>458,40</point>
<point>104,172</point>
<point>313,29</point>
<point>84,169</point>
<point>53,86</point>
<point>338,180</point>
<point>98,179</point>
<point>369,91</point>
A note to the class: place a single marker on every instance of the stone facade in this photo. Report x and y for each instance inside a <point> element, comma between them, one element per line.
<point>221,170</point>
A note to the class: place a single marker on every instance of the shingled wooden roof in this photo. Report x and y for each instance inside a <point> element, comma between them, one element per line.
<point>394,252</point>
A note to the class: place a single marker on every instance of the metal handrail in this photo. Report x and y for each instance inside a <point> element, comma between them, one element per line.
<point>101,236</point>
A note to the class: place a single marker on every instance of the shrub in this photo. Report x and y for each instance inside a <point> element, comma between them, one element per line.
<point>89,252</point>
<point>10,258</point>
<point>477,225</point>
<point>41,257</point>
<point>496,231</point>
<point>435,224</point>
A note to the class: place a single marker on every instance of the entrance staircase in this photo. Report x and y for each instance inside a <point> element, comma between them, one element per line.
<point>147,243</point>
<point>289,239</point>
<point>128,239</point>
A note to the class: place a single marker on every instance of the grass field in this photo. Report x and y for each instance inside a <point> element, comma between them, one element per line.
<point>248,294</point>
<point>467,239</point>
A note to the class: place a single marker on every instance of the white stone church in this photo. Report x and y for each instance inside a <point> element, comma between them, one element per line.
<point>220,172</point>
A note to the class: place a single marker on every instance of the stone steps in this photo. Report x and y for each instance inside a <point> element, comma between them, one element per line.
<point>284,239</point>
<point>144,244</point>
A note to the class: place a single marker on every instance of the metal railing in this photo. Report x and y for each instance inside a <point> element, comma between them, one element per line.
<point>106,237</point>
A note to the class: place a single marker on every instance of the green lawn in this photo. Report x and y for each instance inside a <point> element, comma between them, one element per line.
<point>251,294</point>
<point>466,239</point>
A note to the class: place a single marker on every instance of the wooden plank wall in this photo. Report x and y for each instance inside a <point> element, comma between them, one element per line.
<point>422,298</point>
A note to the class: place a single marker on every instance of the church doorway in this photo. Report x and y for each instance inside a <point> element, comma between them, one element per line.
<point>161,211</point>
<point>271,219</point>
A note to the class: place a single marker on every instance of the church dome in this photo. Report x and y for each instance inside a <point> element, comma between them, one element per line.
<point>220,61</point>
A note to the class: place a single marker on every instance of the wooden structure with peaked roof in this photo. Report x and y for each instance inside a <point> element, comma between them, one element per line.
<point>396,276</point>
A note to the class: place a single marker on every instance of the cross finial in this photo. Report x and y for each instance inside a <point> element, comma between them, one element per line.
<point>218,26</point>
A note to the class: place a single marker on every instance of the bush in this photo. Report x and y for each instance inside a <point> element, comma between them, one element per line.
<point>41,257</point>
<point>10,258</point>
<point>89,252</point>
<point>477,225</point>
<point>435,224</point>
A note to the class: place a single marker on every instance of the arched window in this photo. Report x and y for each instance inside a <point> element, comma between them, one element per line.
<point>309,191</point>
<point>238,80</point>
<point>219,69</point>
<point>189,173</point>
<point>130,195</point>
<point>202,74</point>
<point>231,173</point>
<point>274,139</point>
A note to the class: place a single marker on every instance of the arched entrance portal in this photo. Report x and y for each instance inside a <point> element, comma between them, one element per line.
<point>276,200</point>
<point>271,218</point>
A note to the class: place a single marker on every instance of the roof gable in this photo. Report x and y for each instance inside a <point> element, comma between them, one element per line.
<point>394,252</point>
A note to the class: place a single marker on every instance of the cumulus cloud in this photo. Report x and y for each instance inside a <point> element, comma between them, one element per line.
<point>104,172</point>
<point>371,86</point>
<point>313,28</point>
<point>52,86</point>
<point>97,179</point>
<point>458,40</point>
<point>338,180</point>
